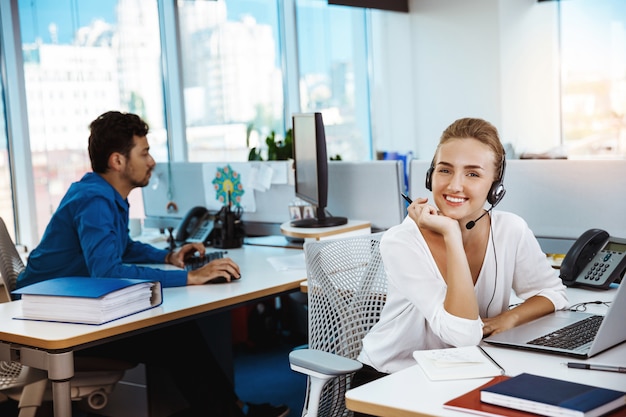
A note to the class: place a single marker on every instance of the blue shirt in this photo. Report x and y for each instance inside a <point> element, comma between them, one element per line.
<point>88,236</point>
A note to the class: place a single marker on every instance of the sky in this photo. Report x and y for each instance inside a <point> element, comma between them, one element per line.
<point>36,15</point>
<point>328,36</point>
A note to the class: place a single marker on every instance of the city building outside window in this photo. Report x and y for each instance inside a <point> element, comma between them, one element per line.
<point>232,77</point>
<point>6,192</point>
<point>82,58</point>
<point>334,78</point>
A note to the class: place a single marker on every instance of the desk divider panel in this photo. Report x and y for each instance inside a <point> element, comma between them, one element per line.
<point>368,191</point>
<point>559,199</point>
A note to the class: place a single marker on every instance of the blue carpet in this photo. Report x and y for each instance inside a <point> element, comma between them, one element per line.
<point>265,376</point>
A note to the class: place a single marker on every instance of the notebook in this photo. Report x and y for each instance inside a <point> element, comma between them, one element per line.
<point>530,336</point>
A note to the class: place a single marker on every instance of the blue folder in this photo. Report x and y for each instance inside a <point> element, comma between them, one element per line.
<point>49,291</point>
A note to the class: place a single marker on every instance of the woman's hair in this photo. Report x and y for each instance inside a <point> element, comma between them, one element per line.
<point>480,130</point>
<point>112,132</point>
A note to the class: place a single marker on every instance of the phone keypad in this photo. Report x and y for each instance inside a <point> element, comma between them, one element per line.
<point>596,271</point>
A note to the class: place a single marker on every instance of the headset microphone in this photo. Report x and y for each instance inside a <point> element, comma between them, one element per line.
<point>472,223</point>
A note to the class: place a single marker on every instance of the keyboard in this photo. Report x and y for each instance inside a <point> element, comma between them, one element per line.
<point>572,336</point>
<point>196,262</point>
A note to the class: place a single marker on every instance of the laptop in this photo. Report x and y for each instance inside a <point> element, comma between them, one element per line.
<point>542,334</point>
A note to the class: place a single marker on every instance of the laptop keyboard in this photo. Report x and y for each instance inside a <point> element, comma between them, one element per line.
<point>572,336</point>
<point>196,262</point>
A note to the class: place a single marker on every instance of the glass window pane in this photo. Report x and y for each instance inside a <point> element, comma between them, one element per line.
<point>233,83</point>
<point>332,59</point>
<point>82,58</point>
<point>593,77</point>
<point>6,191</point>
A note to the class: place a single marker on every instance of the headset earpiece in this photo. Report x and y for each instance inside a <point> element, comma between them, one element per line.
<point>429,178</point>
<point>497,190</point>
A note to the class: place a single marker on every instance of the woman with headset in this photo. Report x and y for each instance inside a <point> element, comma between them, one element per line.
<point>451,264</point>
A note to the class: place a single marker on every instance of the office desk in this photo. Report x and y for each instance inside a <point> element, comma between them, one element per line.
<point>409,393</point>
<point>50,346</point>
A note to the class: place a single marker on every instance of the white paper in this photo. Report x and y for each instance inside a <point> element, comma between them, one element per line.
<point>456,363</point>
<point>285,263</point>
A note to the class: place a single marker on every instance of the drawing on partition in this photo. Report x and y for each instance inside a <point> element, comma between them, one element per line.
<point>228,186</point>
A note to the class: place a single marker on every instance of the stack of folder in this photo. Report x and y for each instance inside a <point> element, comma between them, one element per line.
<point>87,300</point>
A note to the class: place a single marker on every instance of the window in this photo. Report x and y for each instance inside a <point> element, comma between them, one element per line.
<point>234,86</point>
<point>232,78</point>
<point>332,59</point>
<point>593,77</point>
<point>6,192</point>
<point>82,58</point>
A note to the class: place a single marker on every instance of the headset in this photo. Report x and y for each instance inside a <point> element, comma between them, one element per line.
<point>496,192</point>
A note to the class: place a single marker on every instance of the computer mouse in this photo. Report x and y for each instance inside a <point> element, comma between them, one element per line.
<point>221,280</point>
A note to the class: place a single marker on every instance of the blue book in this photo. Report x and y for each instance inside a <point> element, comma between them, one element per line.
<point>553,397</point>
<point>88,300</point>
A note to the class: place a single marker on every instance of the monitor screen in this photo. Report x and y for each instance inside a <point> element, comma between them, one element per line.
<point>311,169</point>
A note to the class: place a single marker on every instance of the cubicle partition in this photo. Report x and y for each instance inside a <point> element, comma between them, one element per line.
<point>263,190</point>
<point>559,199</point>
<point>367,191</point>
<point>358,190</point>
<point>174,189</point>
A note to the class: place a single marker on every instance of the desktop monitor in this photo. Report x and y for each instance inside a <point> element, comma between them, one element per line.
<point>311,169</point>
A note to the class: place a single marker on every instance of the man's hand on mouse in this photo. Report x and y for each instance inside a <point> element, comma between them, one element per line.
<point>224,267</point>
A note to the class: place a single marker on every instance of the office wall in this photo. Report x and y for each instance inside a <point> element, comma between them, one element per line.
<point>446,59</point>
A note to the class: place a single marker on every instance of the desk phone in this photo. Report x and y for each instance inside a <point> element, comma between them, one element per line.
<point>595,260</point>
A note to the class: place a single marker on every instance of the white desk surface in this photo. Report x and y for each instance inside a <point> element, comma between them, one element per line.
<point>259,279</point>
<point>50,346</point>
<point>411,393</point>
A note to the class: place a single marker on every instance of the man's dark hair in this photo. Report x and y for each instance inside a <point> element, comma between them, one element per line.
<point>112,132</point>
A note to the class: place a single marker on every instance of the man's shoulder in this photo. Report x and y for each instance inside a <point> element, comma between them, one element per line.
<point>91,185</point>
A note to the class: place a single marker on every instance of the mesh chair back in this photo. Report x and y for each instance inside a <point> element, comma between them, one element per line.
<point>347,287</point>
<point>12,374</point>
<point>11,264</point>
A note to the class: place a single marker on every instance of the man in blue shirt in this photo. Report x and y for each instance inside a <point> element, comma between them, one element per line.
<point>88,236</point>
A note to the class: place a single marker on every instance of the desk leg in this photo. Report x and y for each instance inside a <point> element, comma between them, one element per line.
<point>60,367</point>
<point>61,397</point>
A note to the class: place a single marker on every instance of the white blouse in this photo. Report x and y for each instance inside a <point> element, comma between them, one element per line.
<point>414,317</point>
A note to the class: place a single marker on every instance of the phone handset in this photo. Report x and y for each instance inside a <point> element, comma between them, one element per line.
<point>196,226</point>
<point>595,260</point>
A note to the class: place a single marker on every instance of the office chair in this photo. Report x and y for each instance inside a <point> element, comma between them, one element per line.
<point>94,378</point>
<point>347,287</point>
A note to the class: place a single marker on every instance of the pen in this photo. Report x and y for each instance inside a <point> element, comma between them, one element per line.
<point>594,367</point>
<point>502,371</point>
<point>406,197</point>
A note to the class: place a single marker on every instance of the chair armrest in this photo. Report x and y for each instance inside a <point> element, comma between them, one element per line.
<point>322,362</point>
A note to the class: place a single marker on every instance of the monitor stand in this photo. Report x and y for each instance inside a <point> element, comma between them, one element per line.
<point>323,222</point>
